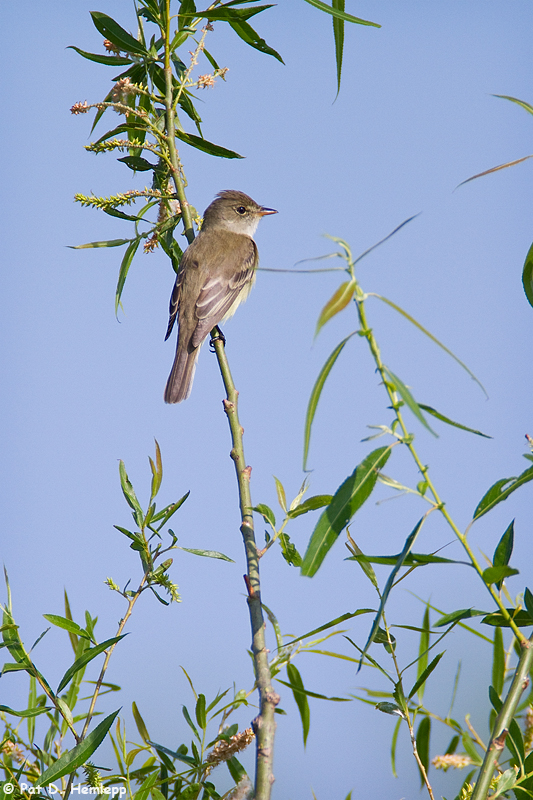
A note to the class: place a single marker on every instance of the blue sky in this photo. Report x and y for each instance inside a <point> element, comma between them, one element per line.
<point>414,118</point>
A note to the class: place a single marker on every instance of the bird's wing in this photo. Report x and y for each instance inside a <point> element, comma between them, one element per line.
<point>225,288</point>
<point>175,299</point>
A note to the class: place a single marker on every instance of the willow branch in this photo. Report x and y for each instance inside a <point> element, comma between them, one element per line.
<point>264,724</point>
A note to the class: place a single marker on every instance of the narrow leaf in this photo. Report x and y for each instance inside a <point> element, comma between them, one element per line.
<point>27,713</point>
<point>365,565</point>
<point>200,713</point>
<point>409,542</point>
<point>500,491</point>
<point>336,12</point>
<point>504,549</point>
<point>67,625</point>
<point>137,163</point>
<point>107,243</point>
<point>139,721</point>
<point>282,498</point>
<point>112,61</point>
<point>124,268</point>
<point>74,758</point>
<point>425,675</point>
<point>522,619</point>
<point>311,504</point>
<point>528,600</point>
<point>267,514</point>
<point>455,616</point>
<point>245,32</point>
<point>336,304</point>
<point>498,662</point>
<point>434,339</point>
<point>207,147</point>
<point>206,553</point>
<point>348,499</point>
<point>115,33</point>
<point>300,698</point>
<point>408,399</point>
<point>315,694</point>
<point>527,276</point>
<point>494,169</point>
<point>497,574</point>
<point>84,659</point>
<point>331,624</point>
<point>449,421</point>
<point>338,33</point>
<point>315,395</point>
<point>423,650</point>
<point>422,743</point>
<point>517,101</point>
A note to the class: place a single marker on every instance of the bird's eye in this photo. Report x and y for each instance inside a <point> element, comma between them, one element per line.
<point>240,210</point>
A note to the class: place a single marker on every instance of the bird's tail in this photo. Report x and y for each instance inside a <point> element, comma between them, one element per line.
<point>180,380</point>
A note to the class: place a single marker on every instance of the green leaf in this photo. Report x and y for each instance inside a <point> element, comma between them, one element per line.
<point>206,553</point>
<point>504,549</point>
<point>107,243</point>
<point>139,721</point>
<point>528,600</point>
<point>469,746</point>
<point>280,491</point>
<point>315,694</point>
<point>190,723</point>
<point>522,619</point>
<point>336,12</point>
<point>129,493</point>
<point>27,713</point>
<point>267,514</point>
<point>359,556</point>
<point>245,32</point>
<point>300,698</point>
<point>389,708</point>
<point>423,650</point>
<point>420,327</point>
<point>115,33</point>
<point>500,491</point>
<point>124,268</point>
<point>112,61</point>
<point>412,560</point>
<point>455,616</point>
<point>449,421</point>
<point>331,624</point>
<point>336,304</point>
<point>157,472</point>
<point>497,574</point>
<point>515,100</point>
<point>506,781</point>
<point>74,758</point>
<point>225,14</point>
<point>200,713</point>
<point>338,34</point>
<point>422,743</point>
<point>315,395</point>
<point>67,625</point>
<point>498,661</point>
<point>311,504</point>
<point>527,276</point>
<point>205,146</point>
<point>348,499</point>
<point>408,399</point>
<point>409,542</point>
<point>425,675</point>
<point>137,163</point>
<point>84,659</point>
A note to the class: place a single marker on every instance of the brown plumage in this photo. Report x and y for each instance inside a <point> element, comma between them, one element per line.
<point>216,273</point>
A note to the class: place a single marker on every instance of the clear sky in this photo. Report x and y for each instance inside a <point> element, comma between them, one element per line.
<point>414,118</point>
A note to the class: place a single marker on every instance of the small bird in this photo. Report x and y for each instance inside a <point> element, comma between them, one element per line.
<point>216,273</point>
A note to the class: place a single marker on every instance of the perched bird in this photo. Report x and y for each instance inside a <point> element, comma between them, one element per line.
<point>216,273</point>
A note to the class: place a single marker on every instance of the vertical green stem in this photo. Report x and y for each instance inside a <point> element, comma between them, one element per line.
<point>264,724</point>
<point>171,134</point>
<point>503,720</point>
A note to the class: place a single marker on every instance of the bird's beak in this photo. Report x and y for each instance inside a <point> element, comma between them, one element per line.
<point>264,211</point>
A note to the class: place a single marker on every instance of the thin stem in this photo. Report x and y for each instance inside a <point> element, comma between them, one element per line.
<point>407,439</point>
<point>503,721</point>
<point>407,716</point>
<point>264,724</point>
<point>103,671</point>
<point>171,135</point>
